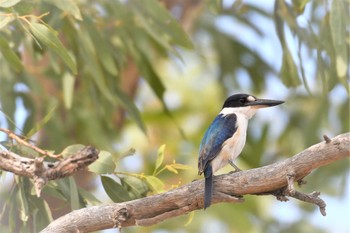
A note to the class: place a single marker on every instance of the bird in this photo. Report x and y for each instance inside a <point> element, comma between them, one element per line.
<point>225,138</point>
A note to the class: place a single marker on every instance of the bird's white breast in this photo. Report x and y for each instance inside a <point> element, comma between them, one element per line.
<point>233,146</point>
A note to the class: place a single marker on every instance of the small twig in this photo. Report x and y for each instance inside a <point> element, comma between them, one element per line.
<point>311,198</point>
<point>21,141</point>
<point>326,138</point>
<point>289,191</point>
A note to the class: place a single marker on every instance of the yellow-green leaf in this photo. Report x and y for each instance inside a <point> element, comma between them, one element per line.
<point>180,166</point>
<point>48,37</point>
<point>155,184</point>
<point>160,157</point>
<point>171,169</point>
<point>190,218</point>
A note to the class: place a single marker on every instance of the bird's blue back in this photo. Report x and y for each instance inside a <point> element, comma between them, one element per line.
<point>221,129</point>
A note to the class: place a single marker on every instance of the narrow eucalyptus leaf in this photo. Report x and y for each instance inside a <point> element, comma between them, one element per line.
<point>9,55</point>
<point>74,196</point>
<point>339,20</point>
<point>48,37</point>
<point>68,89</point>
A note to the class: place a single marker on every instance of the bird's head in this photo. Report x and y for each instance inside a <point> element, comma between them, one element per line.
<point>247,104</point>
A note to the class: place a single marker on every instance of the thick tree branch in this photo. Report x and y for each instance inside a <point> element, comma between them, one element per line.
<point>40,171</point>
<point>277,179</point>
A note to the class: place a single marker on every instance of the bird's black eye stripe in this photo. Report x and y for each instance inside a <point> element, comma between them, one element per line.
<point>242,100</point>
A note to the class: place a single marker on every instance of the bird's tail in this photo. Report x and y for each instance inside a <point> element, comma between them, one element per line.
<point>208,189</point>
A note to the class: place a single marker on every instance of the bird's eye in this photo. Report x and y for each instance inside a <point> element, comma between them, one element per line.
<point>242,101</point>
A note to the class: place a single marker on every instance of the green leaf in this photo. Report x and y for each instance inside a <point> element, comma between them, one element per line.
<point>63,187</point>
<point>155,184</point>
<point>338,25</point>
<point>74,196</point>
<point>40,212</point>
<point>160,158</point>
<point>152,78</point>
<point>8,3</point>
<point>9,55</point>
<point>48,37</point>
<point>136,187</point>
<point>114,190</point>
<point>68,89</point>
<point>104,164</point>
<point>130,106</point>
<point>52,189</point>
<point>104,52</point>
<point>161,21</point>
<point>92,65</point>
<point>68,6</point>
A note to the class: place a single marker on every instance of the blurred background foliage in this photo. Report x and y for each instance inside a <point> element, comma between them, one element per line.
<point>141,81</point>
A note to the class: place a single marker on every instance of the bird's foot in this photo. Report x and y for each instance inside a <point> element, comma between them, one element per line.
<point>235,167</point>
<point>231,172</point>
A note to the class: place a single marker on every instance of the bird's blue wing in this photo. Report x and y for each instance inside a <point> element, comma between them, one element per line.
<point>221,129</point>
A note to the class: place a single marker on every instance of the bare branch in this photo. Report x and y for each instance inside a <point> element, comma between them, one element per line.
<point>21,140</point>
<point>41,172</point>
<point>269,179</point>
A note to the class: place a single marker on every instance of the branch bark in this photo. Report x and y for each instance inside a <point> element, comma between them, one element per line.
<point>276,179</point>
<point>41,171</point>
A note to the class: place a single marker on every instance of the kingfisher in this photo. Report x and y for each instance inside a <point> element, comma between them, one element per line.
<point>225,138</point>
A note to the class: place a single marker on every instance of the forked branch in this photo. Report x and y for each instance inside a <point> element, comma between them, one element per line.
<point>41,171</point>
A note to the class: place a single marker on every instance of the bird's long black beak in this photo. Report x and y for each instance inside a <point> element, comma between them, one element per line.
<point>264,103</point>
